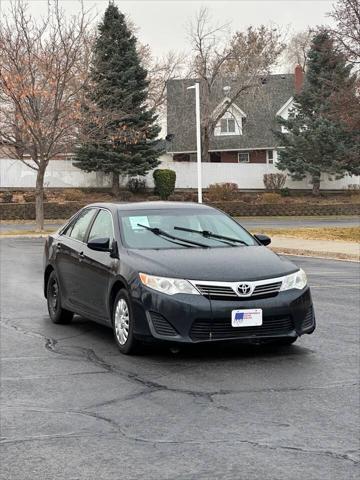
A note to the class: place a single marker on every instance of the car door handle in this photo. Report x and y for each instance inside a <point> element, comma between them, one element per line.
<point>58,246</point>
<point>81,256</point>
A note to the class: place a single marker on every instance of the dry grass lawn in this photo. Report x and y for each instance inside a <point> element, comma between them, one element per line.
<point>345,234</point>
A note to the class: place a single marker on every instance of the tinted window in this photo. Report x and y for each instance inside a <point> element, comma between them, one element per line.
<point>81,224</point>
<point>102,226</point>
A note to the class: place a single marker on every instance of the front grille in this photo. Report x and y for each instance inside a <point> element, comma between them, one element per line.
<point>264,290</point>
<point>162,326</point>
<point>267,289</point>
<point>222,329</point>
<point>309,319</point>
<point>216,291</point>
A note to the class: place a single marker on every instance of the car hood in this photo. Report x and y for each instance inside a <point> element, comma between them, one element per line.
<point>213,264</point>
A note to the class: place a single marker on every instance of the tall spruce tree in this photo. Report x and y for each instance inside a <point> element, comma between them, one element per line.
<point>315,141</point>
<point>120,138</point>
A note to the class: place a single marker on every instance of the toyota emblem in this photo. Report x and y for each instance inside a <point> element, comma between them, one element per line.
<point>244,289</point>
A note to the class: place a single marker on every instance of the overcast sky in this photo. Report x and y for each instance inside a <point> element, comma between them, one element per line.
<point>162,24</point>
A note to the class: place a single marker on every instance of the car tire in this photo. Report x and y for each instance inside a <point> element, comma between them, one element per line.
<point>53,294</point>
<point>123,323</point>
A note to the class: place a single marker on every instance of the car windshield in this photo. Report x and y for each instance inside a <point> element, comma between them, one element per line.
<point>160,229</point>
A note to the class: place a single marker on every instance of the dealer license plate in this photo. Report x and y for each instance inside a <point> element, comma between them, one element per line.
<point>246,318</point>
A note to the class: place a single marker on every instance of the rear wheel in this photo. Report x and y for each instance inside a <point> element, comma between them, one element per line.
<point>123,324</point>
<point>53,295</point>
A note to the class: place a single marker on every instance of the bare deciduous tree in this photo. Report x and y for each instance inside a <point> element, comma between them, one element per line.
<point>243,58</point>
<point>160,70</point>
<point>346,14</point>
<point>296,51</point>
<point>43,68</point>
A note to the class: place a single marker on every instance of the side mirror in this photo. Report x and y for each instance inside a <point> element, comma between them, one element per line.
<point>100,244</point>
<point>263,239</point>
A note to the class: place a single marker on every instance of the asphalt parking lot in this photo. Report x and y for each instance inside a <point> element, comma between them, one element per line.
<point>250,223</point>
<point>74,408</point>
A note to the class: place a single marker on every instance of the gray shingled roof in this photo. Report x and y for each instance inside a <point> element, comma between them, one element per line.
<point>260,107</point>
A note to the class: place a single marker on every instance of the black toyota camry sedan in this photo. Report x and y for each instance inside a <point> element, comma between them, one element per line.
<point>175,272</point>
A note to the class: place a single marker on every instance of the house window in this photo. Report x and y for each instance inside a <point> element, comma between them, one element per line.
<point>270,156</point>
<point>181,157</point>
<point>243,157</point>
<point>215,157</point>
<point>227,125</point>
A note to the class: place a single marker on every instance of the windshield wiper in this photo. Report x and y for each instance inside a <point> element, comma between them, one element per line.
<point>162,233</point>
<point>207,234</point>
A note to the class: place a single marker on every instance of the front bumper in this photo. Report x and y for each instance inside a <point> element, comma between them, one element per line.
<point>195,318</point>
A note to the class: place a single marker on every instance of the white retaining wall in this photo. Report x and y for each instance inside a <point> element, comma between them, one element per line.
<point>62,173</point>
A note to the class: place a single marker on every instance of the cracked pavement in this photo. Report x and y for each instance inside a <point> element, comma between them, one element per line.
<point>74,408</point>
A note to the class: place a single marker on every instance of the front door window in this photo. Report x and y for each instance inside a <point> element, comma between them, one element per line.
<point>102,226</point>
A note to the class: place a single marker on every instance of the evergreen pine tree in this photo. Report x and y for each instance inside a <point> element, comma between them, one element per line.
<point>315,141</point>
<point>125,142</point>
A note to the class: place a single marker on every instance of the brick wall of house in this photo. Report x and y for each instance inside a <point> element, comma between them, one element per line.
<point>229,157</point>
<point>258,156</point>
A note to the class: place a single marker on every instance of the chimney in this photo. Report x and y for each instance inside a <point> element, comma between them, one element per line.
<point>299,79</point>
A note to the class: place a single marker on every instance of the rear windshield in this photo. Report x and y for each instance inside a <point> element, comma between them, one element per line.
<point>135,227</point>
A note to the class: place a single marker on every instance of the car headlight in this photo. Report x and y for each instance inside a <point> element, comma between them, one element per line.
<point>295,280</point>
<point>170,286</point>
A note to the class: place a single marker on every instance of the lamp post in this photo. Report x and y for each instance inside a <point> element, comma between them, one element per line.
<point>196,86</point>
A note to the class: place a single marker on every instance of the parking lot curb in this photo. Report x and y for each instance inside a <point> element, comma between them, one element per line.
<point>30,235</point>
<point>346,257</point>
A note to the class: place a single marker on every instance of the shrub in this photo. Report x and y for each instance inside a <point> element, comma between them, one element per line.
<point>124,196</point>
<point>222,191</point>
<point>274,181</point>
<point>73,195</point>
<point>285,192</point>
<point>7,197</point>
<point>164,180</point>
<point>354,187</point>
<point>249,198</point>
<point>29,197</point>
<point>136,185</point>
<point>271,197</point>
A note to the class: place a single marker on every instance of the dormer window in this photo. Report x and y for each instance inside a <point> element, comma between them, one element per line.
<point>284,112</point>
<point>227,125</point>
<point>231,123</point>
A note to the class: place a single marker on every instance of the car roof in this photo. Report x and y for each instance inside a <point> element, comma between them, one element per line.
<point>157,205</point>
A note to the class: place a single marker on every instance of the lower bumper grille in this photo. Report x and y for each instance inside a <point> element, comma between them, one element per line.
<point>162,326</point>
<point>222,329</point>
<point>309,319</point>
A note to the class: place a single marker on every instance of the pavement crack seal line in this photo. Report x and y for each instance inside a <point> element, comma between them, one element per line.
<point>51,345</point>
<point>118,429</point>
<point>87,354</point>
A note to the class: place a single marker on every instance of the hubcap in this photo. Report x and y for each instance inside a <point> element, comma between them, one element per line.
<point>121,321</point>
<point>53,298</point>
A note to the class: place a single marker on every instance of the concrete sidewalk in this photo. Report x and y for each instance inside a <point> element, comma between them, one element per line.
<point>316,248</point>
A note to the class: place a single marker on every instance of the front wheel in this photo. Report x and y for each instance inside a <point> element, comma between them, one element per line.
<point>53,295</point>
<point>123,323</point>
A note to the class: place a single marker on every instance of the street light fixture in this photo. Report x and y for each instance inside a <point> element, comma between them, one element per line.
<point>196,86</point>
